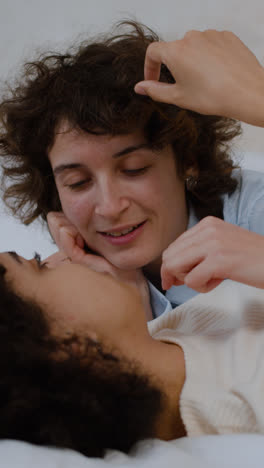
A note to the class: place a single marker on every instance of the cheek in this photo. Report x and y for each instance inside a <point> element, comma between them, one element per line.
<point>77,209</point>
<point>151,191</point>
<point>163,193</point>
<point>172,185</point>
<point>169,202</point>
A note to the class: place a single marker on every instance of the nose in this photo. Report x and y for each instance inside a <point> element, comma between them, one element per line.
<point>111,200</point>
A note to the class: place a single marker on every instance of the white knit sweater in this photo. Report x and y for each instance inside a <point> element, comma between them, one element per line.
<point>222,336</point>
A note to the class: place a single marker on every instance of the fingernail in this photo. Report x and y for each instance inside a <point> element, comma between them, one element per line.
<point>140,90</point>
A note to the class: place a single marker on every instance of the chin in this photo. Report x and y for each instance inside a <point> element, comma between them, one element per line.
<point>133,262</point>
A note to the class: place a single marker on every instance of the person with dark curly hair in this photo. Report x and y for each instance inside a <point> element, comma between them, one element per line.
<point>74,373</point>
<point>119,176</point>
<point>83,370</point>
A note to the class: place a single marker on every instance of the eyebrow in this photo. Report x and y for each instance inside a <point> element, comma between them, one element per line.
<point>130,149</point>
<point>62,167</point>
<point>15,256</point>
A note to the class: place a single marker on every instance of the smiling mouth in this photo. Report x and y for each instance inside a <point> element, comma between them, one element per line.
<point>122,233</point>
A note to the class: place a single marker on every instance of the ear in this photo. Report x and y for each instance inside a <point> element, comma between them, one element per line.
<point>192,172</point>
<point>77,342</point>
<point>191,178</point>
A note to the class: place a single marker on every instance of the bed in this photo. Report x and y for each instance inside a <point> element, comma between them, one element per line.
<point>229,451</point>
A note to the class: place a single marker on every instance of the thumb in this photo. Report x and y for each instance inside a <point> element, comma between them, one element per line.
<point>163,92</point>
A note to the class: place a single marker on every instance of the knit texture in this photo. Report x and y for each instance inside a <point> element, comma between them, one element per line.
<point>222,337</point>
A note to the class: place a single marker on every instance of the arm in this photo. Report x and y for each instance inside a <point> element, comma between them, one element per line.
<point>214,72</point>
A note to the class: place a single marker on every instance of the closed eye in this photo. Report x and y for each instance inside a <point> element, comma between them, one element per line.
<point>80,183</point>
<point>128,172</point>
<point>135,172</point>
<point>37,257</point>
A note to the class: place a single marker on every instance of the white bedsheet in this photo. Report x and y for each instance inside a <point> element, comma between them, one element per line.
<point>227,451</point>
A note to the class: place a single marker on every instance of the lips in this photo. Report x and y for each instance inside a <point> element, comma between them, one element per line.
<point>121,232</point>
<point>123,236</point>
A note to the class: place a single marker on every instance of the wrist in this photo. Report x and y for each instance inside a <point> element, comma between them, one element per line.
<point>250,108</point>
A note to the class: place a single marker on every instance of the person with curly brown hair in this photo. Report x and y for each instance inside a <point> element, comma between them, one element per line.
<point>120,177</point>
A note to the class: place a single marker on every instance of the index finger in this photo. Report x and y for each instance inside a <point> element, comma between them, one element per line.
<point>153,61</point>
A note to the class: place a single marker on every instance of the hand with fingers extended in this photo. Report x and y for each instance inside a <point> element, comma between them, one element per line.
<point>214,72</point>
<point>212,251</point>
<point>72,246</point>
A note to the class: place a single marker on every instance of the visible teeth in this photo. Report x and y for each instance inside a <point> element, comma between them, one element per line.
<point>121,233</point>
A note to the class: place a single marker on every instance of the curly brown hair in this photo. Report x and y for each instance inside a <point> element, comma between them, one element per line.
<point>89,400</point>
<point>93,89</point>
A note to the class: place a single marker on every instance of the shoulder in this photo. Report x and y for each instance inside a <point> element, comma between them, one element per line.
<point>248,181</point>
<point>227,307</point>
<point>246,200</point>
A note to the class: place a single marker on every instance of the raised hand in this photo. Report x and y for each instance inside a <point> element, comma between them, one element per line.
<point>212,251</point>
<point>214,72</point>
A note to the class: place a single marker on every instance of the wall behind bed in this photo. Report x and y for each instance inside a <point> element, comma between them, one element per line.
<point>30,25</point>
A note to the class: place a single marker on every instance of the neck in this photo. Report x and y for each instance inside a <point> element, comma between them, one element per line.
<point>166,363</point>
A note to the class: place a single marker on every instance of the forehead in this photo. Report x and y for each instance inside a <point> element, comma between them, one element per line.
<point>68,138</point>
